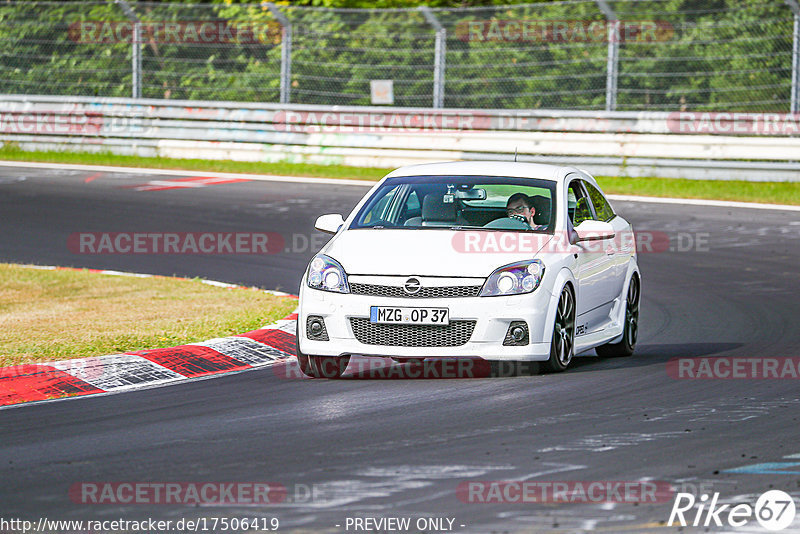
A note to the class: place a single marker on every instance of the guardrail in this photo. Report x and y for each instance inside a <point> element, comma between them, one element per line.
<point>681,144</point>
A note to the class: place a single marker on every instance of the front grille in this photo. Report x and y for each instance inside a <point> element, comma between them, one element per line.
<point>411,335</point>
<point>423,293</point>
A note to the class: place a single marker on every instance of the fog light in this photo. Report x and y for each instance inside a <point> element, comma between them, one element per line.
<point>315,328</point>
<point>518,333</point>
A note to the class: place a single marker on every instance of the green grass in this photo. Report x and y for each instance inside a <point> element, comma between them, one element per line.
<point>764,192</point>
<point>284,169</point>
<point>49,315</point>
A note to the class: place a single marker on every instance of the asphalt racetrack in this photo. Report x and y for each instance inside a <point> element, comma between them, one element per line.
<point>726,286</point>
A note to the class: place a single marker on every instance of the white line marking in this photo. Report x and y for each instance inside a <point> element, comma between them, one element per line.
<point>363,183</point>
<point>224,285</point>
<point>176,172</point>
<point>702,202</point>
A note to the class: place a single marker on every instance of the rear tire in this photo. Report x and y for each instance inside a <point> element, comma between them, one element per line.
<point>562,345</point>
<point>630,332</point>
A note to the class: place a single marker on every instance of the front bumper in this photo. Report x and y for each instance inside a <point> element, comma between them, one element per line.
<point>492,316</point>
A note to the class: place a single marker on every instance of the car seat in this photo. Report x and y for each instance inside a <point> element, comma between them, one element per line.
<point>542,205</point>
<point>437,212</point>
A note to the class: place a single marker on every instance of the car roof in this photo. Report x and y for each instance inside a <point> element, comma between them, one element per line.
<point>484,168</point>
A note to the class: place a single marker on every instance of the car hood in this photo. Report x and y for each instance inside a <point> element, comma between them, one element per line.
<point>431,252</point>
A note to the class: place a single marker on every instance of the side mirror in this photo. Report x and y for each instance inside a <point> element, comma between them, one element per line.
<point>591,230</point>
<point>330,223</point>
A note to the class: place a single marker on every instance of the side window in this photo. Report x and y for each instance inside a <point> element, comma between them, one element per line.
<point>411,207</point>
<point>412,202</point>
<point>601,206</point>
<point>577,203</point>
<point>377,211</point>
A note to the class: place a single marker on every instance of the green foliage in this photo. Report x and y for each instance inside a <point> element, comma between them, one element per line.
<point>721,55</point>
<point>708,55</point>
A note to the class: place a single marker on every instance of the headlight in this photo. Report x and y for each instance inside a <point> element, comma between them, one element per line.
<point>326,274</point>
<point>514,279</point>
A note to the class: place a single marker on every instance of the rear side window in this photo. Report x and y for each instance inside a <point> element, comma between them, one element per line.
<point>601,206</point>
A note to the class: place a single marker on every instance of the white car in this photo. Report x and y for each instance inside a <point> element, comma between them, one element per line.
<point>430,264</point>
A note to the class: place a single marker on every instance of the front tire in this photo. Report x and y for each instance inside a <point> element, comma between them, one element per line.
<point>321,366</point>
<point>562,345</point>
<point>630,332</point>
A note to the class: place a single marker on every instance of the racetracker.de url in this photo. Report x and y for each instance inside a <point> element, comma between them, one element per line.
<point>202,524</point>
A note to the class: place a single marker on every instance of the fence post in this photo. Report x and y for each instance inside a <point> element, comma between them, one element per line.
<point>136,49</point>
<point>795,99</point>
<point>612,63</point>
<point>286,52</point>
<point>439,51</point>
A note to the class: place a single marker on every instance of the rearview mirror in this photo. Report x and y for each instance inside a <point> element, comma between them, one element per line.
<point>591,230</point>
<point>471,194</point>
<point>330,223</point>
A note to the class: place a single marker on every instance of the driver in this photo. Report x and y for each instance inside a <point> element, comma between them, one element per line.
<point>519,206</point>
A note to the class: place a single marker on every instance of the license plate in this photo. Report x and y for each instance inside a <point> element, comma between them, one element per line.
<point>394,315</point>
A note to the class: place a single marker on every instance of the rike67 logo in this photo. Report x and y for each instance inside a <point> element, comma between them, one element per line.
<point>774,510</point>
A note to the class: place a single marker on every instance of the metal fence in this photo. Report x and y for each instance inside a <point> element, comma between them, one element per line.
<point>736,55</point>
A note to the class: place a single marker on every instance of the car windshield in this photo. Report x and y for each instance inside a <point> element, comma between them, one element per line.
<point>460,202</point>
